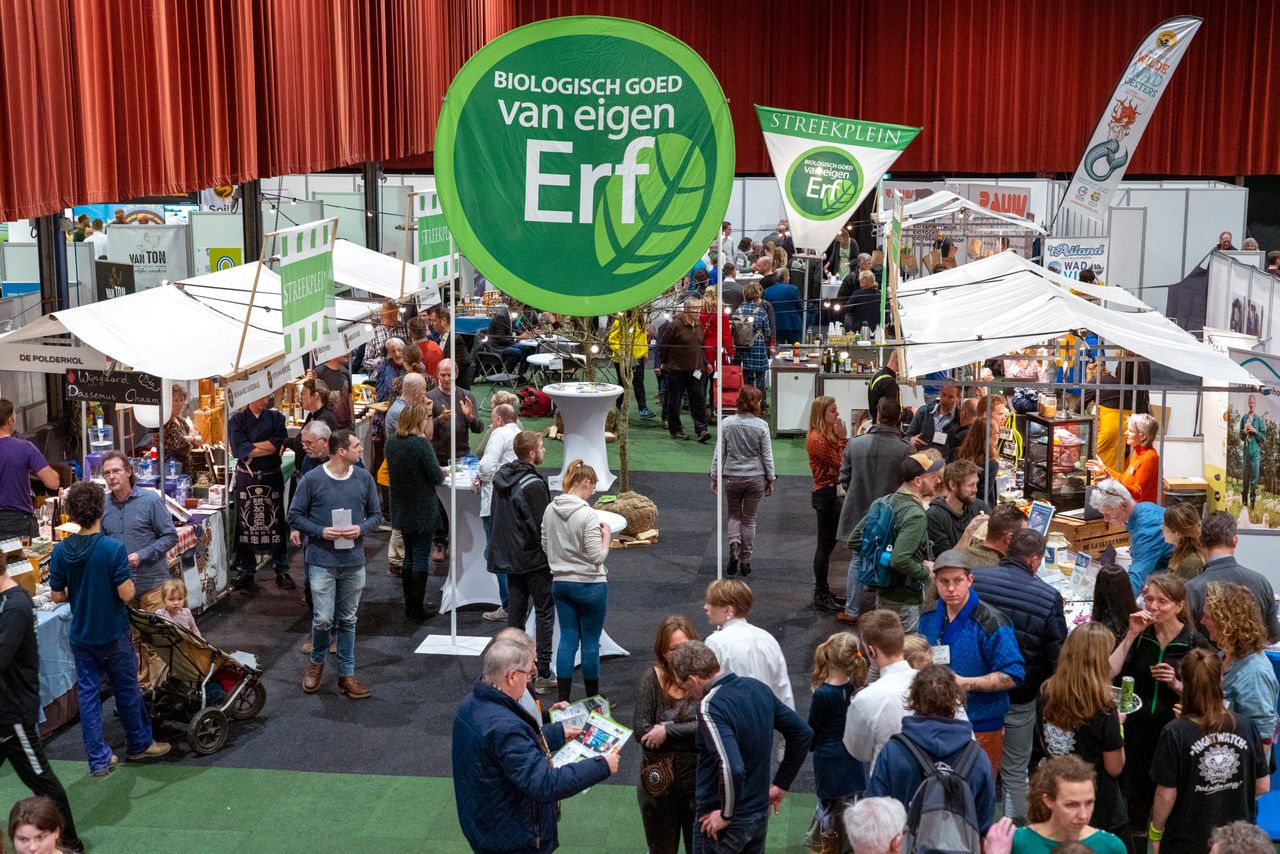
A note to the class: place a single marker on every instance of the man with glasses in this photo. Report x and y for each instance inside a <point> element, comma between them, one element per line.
<point>138,519</point>
<point>501,759</point>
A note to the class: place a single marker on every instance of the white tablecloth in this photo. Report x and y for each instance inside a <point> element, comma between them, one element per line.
<point>608,646</point>
<point>474,583</point>
<point>583,408</point>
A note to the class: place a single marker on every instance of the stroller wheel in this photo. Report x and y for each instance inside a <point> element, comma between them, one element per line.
<point>249,702</point>
<point>208,731</point>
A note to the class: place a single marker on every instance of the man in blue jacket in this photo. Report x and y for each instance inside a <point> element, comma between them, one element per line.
<point>737,716</point>
<point>977,642</point>
<point>1035,608</point>
<point>788,311</point>
<point>504,786</point>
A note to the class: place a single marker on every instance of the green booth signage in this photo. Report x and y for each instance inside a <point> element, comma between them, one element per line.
<point>584,164</point>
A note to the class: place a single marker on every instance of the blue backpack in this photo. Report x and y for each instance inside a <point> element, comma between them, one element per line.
<point>879,528</point>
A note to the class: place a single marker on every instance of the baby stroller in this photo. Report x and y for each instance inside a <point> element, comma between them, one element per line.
<point>202,688</point>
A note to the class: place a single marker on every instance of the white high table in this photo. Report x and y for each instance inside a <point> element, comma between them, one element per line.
<point>583,408</point>
<point>475,584</point>
<point>608,646</point>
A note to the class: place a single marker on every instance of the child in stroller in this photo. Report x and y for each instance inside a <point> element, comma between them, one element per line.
<point>202,688</point>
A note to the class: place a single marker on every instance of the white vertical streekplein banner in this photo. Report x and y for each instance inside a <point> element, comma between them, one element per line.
<point>1070,255</point>
<point>158,253</point>
<point>307,292</point>
<point>434,258</point>
<point>826,166</point>
<point>1125,119</point>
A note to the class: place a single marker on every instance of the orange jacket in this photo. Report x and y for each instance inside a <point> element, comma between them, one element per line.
<point>1142,477</point>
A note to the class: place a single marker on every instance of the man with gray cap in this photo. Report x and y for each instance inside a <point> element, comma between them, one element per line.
<point>907,553</point>
<point>978,643</point>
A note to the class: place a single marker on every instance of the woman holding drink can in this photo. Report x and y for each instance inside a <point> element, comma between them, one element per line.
<point>1159,635</point>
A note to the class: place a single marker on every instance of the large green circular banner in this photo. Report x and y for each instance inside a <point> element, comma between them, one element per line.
<point>584,164</point>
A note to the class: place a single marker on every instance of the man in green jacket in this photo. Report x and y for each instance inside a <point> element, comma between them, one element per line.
<point>910,559</point>
<point>1252,431</point>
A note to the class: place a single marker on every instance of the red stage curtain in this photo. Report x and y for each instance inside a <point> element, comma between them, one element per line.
<point>999,86</point>
<point>107,100</point>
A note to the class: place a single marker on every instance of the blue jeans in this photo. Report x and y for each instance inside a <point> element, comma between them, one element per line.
<point>852,588</point>
<point>417,551</point>
<point>335,592</point>
<point>503,595</point>
<point>744,835</point>
<point>118,662</point>
<point>580,607</point>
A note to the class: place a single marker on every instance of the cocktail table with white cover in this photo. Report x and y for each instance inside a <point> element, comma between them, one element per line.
<point>583,408</point>
<point>608,646</point>
<point>474,583</point>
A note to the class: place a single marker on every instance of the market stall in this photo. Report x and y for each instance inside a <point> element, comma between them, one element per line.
<point>945,229</point>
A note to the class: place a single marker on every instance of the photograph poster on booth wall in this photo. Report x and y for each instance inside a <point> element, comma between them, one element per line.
<point>1253,459</point>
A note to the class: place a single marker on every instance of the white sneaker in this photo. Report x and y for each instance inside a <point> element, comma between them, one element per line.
<point>497,615</point>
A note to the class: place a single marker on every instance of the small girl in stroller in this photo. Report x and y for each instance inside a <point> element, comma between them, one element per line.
<point>174,595</point>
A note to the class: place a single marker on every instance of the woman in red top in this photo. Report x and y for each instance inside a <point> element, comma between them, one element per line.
<point>1142,476</point>
<point>825,444</point>
<point>709,340</point>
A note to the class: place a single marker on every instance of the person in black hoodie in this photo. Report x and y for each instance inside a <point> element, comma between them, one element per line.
<point>955,516</point>
<point>20,704</point>
<point>1036,611</point>
<point>520,499</point>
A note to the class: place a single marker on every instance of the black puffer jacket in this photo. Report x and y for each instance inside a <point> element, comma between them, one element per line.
<point>520,498</point>
<point>1035,609</point>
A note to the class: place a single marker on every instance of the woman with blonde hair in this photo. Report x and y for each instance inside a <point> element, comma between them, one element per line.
<point>1076,714</point>
<point>415,473</point>
<point>981,445</point>
<point>1159,637</point>
<point>1248,680</point>
<point>1142,472</point>
<point>840,667</point>
<point>1181,530</point>
<point>1209,765</point>
<point>667,724</point>
<point>576,543</point>
<point>825,445</point>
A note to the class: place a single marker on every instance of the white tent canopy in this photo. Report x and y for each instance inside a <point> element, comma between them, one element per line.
<point>227,292</point>
<point>1000,304</point>
<point>354,266</point>
<point>1009,265</point>
<point>945,203</point>
<point>160,331</point>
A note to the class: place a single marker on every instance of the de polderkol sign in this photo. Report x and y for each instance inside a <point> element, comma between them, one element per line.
<point>584,164</point>
<point>826,166</point>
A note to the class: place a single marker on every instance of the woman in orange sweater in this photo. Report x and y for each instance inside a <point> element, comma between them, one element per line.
<point>825,443</point>
<point>1142,476</point>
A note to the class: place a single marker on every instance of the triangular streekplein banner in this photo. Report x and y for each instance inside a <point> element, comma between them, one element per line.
<point>1125,119</point>
<point>826,166</point>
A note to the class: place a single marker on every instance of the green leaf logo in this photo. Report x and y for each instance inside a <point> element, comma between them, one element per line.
<point>670,203</point>
<point>824,183</point>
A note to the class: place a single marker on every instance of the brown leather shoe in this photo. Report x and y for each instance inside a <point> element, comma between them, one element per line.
<point>845,618</point>
<point>311,681</point>
<point>353,687</point>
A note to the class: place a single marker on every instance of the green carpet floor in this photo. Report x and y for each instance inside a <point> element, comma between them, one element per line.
<point>653,449</point>
<point>170,808</point>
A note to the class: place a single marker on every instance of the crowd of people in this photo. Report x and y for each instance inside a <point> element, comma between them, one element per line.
<point>955,700</point>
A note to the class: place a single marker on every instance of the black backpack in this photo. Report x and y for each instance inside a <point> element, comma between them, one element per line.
<point>942,817</point>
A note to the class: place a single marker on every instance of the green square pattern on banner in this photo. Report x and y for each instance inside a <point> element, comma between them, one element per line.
<point>433,241</point>
<point>308,305</point>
